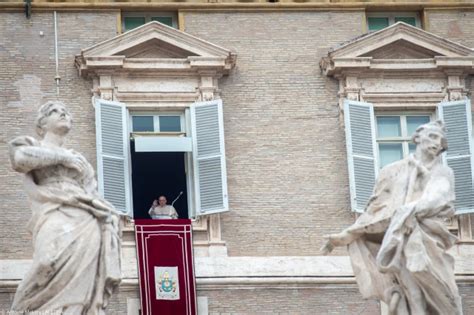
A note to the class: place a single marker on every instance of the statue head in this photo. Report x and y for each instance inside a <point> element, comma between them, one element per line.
<point>431,137</point>
<point>53,117</point>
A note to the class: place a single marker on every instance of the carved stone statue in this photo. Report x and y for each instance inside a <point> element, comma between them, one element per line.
<point>76,233</point>
<point>398,245</point>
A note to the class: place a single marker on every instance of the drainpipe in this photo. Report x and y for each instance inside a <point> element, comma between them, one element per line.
<point>57,78</point>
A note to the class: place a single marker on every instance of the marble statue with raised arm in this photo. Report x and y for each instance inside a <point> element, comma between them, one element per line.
<point>76,233</point>
<point>398,246</point>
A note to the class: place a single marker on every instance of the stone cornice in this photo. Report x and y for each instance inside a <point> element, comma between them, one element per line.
<point>357,64</point>
<point>237,5</point>
<point>87,65</point>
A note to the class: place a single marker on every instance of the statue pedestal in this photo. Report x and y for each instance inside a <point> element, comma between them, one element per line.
<point>165,266</point>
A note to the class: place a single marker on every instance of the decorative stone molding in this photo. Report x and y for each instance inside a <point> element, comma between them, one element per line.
<point>400,66</point>
<point>156,67</point>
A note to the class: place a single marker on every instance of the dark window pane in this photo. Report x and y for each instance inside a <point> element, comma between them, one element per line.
<point>131,22</point>
<point>168,20</point>
<point>377,23</point>
<point>406,19</point>
<point>170,123</point>
<point>143,123</point>
<point>412,147</point>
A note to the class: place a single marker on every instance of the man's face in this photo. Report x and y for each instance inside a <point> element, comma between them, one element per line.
<point>162,201</point>
<point>430,141</point>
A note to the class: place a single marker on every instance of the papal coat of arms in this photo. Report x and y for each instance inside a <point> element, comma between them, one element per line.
<point>166,283</point>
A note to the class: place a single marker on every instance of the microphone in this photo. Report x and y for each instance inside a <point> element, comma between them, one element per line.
<point>175,199</point>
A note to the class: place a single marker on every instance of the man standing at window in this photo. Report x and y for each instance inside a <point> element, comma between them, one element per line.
<point>160,210</point>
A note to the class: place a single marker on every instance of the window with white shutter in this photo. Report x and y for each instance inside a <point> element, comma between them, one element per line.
<point>206,178</point>
<point>457,118</point>
<point>112,154</point>
<point>210,180</point>
<point>361,148</point>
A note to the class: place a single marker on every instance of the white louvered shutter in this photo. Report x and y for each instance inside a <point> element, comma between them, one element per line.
<point>112,154</point>
<point>457,118</point>
<point>361,148</point>
<point>210,180</point>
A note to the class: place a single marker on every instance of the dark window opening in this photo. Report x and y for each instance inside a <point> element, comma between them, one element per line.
<point>155,174</point>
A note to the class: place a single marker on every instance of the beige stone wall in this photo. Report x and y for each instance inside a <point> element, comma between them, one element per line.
<point>327,299</point>
<point>335,299</point>
<point>330,299</point>
<point>6,300</point>
<point>286,157</point>
<point>455,25</point>
<point>118,302</point>
<point>26,82</point>
<point>466,290</point>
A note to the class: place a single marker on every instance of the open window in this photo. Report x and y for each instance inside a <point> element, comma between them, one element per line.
<point>181,155</point>
<point>158,159</point>
<point>158,68</point>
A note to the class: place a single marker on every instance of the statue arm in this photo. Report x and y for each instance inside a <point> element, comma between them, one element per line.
<point>437,197</point>
<point>98,207</point>
<point>26,155</point>
<point>374,205</point>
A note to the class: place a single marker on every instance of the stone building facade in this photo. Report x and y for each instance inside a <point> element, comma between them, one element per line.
<point>275,67</point>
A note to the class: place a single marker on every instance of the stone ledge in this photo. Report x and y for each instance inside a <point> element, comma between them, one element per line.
<point>284,266</point>
<point>258,267</point>
<point>249,283</point>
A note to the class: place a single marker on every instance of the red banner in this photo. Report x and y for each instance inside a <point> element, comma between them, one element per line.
<point>165,267</point>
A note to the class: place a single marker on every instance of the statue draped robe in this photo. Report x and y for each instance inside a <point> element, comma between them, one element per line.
<point>76,259</point>
<point>399,243</point>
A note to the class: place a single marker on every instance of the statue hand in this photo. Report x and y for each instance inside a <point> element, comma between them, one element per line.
<point>409,224</point>
<point>101,209</point>
<point>76,162</point>
<point>101,205</point>
<point>340,239</point>
<point>328,246</point>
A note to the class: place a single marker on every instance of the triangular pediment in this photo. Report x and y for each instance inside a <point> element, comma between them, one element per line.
<point>159,36</point>
<point>155,47</point>
<point>401,49</point>
<point>400,41</point>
